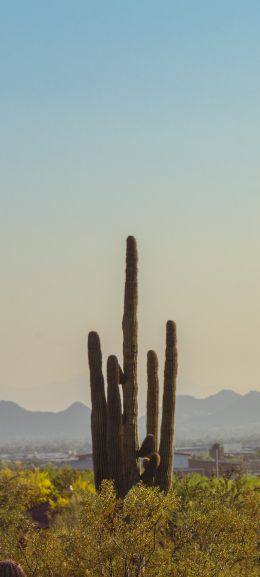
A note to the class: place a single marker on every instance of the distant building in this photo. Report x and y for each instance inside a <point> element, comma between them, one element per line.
<point>253,467</point>
<point>208,467</point>
<point>185,463</point>
<point>181,461</point>
<point>84,461</point>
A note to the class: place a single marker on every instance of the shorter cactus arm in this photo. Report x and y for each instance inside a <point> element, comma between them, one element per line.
<point>151,466</point>
<point>147,447</point>
<point>152,407</point>
<point>99,410</point>
<point>164,475</point>
<point>114,425</point>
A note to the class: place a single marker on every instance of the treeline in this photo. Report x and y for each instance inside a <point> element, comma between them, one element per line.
<point>54,523</point>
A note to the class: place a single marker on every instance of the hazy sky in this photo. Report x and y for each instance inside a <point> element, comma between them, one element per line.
<point>120,118</point>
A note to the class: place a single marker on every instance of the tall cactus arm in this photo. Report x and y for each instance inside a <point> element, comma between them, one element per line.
<point>164,475</point>
<point>129,325</point>
<point>152,406</point>
<point>114,426</point>
<point>99,410</point>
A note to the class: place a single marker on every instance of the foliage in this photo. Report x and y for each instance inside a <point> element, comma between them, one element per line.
<point>118,538</point>
<point>201,528</point>
<point>214,529</point>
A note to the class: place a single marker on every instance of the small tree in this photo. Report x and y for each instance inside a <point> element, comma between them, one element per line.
<point>119,538</point>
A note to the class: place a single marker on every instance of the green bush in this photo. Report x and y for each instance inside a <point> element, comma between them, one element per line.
<point>202,528</point>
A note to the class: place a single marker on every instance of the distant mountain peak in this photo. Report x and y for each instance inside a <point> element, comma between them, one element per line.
<point>252,394</point>
<point>76,407</point>
<point>226,415</point>
<point>225,393</point>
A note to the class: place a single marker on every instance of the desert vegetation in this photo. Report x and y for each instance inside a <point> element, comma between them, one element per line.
<point>54,523</point>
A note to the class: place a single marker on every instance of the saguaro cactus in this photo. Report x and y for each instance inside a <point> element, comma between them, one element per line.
<point>114,425</point>
<point>164,475</point>
<point>152,405</point>
<point>115,436</point>
<point>130,327</point>
<point>10,568</point>
<point>99,410</point>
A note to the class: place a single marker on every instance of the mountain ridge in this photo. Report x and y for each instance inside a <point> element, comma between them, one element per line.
<point>223,415</point>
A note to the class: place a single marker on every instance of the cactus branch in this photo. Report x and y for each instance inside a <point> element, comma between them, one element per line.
<point>99,410</point>
<point>152,406</point>
<point>114,425</point>
<point>129,325</point>
<point>164,475</point>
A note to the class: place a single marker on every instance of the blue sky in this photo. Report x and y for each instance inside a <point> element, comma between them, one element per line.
<point>129,118</point>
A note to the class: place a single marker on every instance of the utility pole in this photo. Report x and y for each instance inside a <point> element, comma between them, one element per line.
<point>217,467</point>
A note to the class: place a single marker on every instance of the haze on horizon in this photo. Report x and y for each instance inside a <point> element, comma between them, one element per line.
<point>120,119</point>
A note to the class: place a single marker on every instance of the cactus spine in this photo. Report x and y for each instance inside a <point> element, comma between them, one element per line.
<point>164,475</point>
<point>115,436</point>
<point>114,425</point>
<point>152,406</point>
<point>129,325</point>
<point>99,410</point>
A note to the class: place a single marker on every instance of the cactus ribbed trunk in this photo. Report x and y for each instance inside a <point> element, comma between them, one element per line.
<point>99,410</point>
<point>129,325</point>
<point>114,426</point>
<point>164,475</point>
<point>152,406</point>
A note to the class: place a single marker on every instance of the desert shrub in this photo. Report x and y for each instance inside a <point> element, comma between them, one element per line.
<point>214,529</point>
<point>118,538</point>
<point>202,528</point>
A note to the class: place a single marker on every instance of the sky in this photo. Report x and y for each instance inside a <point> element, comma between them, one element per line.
<point>121,118</point>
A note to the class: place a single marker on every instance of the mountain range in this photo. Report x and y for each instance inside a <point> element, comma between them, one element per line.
<point>224,416</point>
